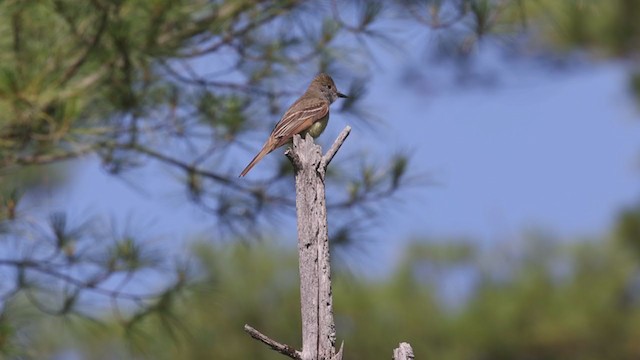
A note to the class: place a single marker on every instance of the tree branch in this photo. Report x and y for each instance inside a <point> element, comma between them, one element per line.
<point>318,327</point>
<point>316,301</point>
<point>48,158</point>
<point>281,348</point>
<point>403,352</point>
<point>326,159</point>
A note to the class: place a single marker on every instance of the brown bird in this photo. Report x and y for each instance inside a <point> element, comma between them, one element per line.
<point>309,114</point>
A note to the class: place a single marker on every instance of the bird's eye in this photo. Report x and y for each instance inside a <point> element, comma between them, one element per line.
<point>329,86</point>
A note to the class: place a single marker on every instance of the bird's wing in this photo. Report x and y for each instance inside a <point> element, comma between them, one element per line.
<point>297,119</point>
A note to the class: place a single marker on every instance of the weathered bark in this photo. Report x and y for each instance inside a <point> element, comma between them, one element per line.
<point>281,348</point>
<point>403,352</point>
<point>318,326</point>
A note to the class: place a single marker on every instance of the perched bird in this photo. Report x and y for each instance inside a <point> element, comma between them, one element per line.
<point>309,114</point>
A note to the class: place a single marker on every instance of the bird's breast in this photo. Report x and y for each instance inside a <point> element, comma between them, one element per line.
<point>317,128</point>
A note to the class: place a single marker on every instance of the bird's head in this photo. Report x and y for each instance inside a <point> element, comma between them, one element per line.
<point>324,84</point>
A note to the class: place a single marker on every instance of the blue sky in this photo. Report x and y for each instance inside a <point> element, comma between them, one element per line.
<point>555,152</point>
<point>550,150</point>
<point>559,152</point>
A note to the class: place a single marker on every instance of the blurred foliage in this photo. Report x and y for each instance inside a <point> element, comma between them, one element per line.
<point>547,301</point>
<point>602,29</point>
<point>181,83</point>
<point>608,28</point>
<point>189,84</point>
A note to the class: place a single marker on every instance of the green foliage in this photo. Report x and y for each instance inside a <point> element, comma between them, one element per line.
<point>627,229</point>
<point>125,80</point>
<point>576,301</point>
<point>635,85</point>
<point>182,83</point>
<point>608,28</point>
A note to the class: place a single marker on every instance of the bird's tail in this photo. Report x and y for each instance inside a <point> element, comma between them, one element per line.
<point>267,148</point>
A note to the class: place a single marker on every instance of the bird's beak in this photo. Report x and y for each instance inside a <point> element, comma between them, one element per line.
<point>342,95</point>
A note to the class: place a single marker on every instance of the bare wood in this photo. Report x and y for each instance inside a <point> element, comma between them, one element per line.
<point>326,159</point>
<point>327,325</point>
<point>308,155</point>
<point>338,355</point>
<point>318,327</point>
<point>403,352</point>
<point>316,301</point>
<point>281,348</point>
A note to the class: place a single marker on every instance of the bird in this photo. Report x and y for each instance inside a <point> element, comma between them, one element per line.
<point>309,114</point>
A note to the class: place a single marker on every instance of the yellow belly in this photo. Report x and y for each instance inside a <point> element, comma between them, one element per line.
<point>317,128</point>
